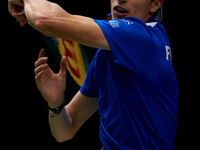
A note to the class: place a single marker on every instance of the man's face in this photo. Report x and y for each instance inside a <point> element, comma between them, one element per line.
<point>141,9</point>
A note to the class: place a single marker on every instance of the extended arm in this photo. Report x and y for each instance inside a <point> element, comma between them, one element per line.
<point>50,19</point>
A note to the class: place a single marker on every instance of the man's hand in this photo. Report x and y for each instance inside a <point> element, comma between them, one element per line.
<point>52,86</point>
<point>20,18</point>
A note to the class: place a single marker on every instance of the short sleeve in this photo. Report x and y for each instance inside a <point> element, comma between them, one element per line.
<point>88,89</point>
<point>130,42</point>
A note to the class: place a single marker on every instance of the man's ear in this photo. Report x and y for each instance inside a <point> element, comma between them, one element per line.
<point>156,5</point>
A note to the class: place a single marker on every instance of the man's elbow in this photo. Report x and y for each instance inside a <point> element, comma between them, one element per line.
<point>61,140</point>
<point>64,138</point>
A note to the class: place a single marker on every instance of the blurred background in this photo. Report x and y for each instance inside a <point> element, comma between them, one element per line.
<point>24,117</point>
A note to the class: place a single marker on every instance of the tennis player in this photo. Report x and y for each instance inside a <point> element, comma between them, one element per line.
<point>131,79</point>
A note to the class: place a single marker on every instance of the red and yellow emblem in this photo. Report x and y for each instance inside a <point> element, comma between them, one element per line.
<point>77,62</point>
<point>75,59</point>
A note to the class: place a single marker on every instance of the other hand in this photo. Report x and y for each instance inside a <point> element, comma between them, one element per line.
<point>52,86</point>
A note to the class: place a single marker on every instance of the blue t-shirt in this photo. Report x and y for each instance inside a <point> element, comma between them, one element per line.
<point>136,85</point>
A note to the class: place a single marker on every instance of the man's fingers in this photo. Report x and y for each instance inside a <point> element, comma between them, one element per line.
<point>38,76</point>
<point>41,61</point>
<point>40,68</point>
<point>22,23</point>
<point>41,54</point>
<point>10,5</point>
<point>41,64</point>
<point>41,58</point>
<point>21,18</point>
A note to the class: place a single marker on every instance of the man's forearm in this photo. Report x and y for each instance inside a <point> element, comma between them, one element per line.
<point>52,20</point>
<point>61,126</point>
<point>38,12</point>
<point>68,122</point>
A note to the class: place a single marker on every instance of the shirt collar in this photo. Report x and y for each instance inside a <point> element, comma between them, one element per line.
<point>151,19</point>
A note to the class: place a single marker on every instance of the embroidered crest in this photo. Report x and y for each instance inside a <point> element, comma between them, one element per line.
<point>114,23</point>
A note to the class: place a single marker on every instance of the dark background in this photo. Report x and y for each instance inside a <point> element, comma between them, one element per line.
<point>24,117</point>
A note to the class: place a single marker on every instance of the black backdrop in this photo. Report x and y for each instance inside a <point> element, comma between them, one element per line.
<point>24,117</point>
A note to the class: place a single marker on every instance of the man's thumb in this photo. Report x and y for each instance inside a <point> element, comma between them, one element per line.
<point>63,66</point>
